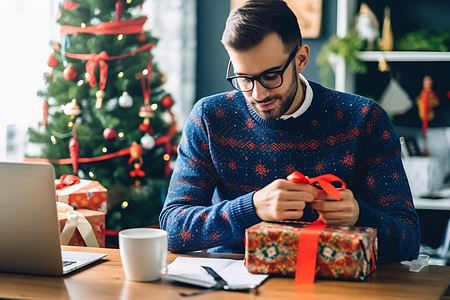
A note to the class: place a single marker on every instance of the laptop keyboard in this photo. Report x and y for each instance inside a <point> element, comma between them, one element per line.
<point>68,262</point>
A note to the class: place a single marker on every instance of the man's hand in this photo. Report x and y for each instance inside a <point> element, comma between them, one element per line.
<point>283,200</point>
<point>344,212</point>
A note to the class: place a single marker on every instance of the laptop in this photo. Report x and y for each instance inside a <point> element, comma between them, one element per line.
<point>29,226</point>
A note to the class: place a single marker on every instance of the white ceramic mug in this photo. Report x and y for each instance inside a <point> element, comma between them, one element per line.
<point>143,252</point>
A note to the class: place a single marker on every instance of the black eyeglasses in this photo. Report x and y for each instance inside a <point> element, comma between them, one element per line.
<point>269,79</point>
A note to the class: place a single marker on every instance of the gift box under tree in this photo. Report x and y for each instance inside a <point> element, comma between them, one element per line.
<point>342,252</point>
<point>81,227</point>
<point>82,193</point>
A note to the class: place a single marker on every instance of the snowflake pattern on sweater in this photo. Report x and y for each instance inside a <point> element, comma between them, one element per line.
<point>228,152</point>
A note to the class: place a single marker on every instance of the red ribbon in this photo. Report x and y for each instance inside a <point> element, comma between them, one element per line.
<point>308,241</point>
<point>67,180</point>
<point>323,181</point>
<point>91,64</point>
<point>116,27</point>
<point>162,140</point>
<point>100,59</point>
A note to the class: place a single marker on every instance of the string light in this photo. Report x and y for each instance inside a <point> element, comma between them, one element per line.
<point>104,149</point>
<point>91,174</point>
<point>124,204</point>
<point>80,82</point>
<point>166,157</point>
<point>83,25</point>
<point>154,106</point>
<point>120,75</point>
<point>70,124</point>
<point>120,37</point>
<point>129,1</point>
<point>145,72</point>
<point>120,134</point>
<point>53,139</point>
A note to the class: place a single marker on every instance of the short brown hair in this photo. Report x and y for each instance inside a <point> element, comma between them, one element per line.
<point>248,24</point>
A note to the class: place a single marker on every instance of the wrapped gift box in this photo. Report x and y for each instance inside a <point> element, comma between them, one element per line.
<point>94,229</point>
<point>86,194</point>
<point>342,253</point>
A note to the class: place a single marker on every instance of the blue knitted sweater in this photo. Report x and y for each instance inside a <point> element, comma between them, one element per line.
<point>228,152</point>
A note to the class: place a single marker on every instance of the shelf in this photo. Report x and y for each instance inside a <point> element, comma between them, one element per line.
<point>405,56</point>
<point>432,204</point>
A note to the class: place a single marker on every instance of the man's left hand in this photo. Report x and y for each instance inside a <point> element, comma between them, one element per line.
<point>332,212</point>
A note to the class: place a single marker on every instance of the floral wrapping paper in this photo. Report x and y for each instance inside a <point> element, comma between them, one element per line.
<point>97,221</point>
<point>86,194</point>
<point>343,252</point>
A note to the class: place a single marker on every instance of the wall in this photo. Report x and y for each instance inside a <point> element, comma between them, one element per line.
<point>212,58</point>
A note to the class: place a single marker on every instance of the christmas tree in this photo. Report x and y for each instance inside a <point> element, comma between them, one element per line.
<point>106,115</point>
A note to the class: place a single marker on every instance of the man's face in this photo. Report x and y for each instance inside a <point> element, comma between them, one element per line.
<point>269,55</point>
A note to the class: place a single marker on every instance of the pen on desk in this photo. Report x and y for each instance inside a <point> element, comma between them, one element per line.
<point>223,284</point>
<point>217,278</point>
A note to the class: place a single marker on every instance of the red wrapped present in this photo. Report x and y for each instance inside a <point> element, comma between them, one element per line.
<point>342,252</point>
<point>81,227</point>
<point>84,194</point>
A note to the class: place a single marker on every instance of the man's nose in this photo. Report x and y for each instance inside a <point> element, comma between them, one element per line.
<point>259,92</point>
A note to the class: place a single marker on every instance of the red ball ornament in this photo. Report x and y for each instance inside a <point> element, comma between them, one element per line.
<point>109,134</point>
<point>51,61</point>
<point>167,102</point>
<point>70,73</point>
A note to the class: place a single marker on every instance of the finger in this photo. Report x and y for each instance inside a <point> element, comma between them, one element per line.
<point>298,196</point>
<point>293,186</point>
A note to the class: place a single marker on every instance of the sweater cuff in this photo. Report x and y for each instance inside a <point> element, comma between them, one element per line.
<point>243,211</point>
<point>365,217</point>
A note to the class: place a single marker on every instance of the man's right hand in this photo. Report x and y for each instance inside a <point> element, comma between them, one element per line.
<point>283,200</point>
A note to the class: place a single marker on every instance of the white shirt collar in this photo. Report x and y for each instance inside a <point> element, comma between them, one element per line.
<point>306,103</point>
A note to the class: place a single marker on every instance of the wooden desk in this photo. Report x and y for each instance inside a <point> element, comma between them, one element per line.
<point>106,280</point>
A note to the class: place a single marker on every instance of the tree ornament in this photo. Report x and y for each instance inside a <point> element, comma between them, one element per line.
<point>426,102</point>
<point>100,94</point>
<point>119,9</point>
<point>125,100</point>
<point>110,134</point>
<point>70,73</point>
<point>72,109</point>
<point>167,102</point>
<point>71,5</point>
<point>45,107</point>
<point>147,141</point>
<point>51,61</point>
<point>136,160</point>
<point>141,37</point>
<point>146,112</point>
<point>74,149</point>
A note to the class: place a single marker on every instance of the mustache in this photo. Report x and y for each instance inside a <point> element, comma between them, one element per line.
<point>265,100</point>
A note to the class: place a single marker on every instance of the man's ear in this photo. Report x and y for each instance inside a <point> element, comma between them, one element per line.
<point>302,58</point>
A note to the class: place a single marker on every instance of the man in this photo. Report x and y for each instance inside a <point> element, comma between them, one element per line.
<point>238,148</point>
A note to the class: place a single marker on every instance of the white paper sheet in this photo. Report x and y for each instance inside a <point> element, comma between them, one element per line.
<point>189,270</point>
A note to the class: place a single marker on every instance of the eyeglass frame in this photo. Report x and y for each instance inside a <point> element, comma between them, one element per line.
<point>258,77</point>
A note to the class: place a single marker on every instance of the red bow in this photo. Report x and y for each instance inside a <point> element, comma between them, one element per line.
<point>66,180</point>
<point>323,181</point>
<point>98,59</point>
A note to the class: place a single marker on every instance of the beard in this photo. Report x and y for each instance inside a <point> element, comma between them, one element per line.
<point>275,105</point>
